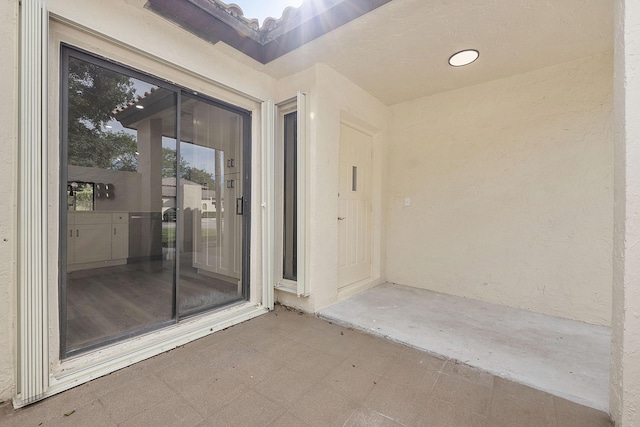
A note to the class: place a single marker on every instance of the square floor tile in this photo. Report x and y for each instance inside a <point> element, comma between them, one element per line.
<point>285,386</point>
<point>122,404</point>
<point>322,406</point>
<point>250,409</point>
<point>173,412</point>
<point>395,402</point>
<point>351,381</point>
<point>460,393</point>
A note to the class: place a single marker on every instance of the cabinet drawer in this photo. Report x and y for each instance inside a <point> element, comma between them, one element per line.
<point>120,218</point>
<point>92,218</point>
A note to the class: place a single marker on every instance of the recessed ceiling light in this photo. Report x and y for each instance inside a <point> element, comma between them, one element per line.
<point>464,57</point>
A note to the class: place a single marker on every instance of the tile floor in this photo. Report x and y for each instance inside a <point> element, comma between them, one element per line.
<point>292,369</point>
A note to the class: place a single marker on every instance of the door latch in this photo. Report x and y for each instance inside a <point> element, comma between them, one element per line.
<point>239,205</point>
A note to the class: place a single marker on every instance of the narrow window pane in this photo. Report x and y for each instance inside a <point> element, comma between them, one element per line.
<point>290,216</point>
<point>354,178</point>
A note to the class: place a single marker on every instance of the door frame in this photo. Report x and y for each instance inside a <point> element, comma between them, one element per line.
<point>370,136</point>
<point>39,370</point>
<point>67,51</point>
<point>377,194</point>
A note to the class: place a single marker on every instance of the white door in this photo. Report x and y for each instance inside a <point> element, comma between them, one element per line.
<point>354,206</point>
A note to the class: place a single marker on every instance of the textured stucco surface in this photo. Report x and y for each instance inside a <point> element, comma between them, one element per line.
<point>625,359</point>
<point>8,146</point>
<point>334,98</point>
<point>399,51</point>
<point>511,191</point>
<point>128,23</point>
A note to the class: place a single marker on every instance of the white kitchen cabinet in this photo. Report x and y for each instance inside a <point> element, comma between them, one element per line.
<point>96,237</point>
<point>92,243</point>
<point>119,235</point>
<point>71,243</point>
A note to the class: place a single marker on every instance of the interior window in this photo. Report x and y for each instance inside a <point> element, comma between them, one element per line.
<point>80,196</point>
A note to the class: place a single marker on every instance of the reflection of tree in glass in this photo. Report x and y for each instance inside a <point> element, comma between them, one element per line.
<point>187,172</point>
<point>94,92</point>
<point>84,197</point>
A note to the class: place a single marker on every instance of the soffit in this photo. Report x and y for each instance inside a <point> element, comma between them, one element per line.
<point>217,21</point>
<point>399,50</point>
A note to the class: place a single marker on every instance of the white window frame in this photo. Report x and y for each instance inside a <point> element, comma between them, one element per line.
<point>299,287</point>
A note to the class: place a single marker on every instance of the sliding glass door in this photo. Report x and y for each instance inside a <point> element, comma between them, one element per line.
<point>151,230</point>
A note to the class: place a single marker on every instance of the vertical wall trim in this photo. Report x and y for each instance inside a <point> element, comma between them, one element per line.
<point>268,202</point>
<point>32,320</point>
<point>302,163</point>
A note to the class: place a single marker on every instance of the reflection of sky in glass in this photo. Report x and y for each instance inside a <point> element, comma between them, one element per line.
<point>141,87</point>
<point>198,156</point>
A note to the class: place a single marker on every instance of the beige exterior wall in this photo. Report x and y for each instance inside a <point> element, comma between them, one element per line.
<point>8,150</point>
<point>625,364</point>
<point>151,39</point>
<point>334,99</point>
<point>510,184</point>
<point>130,34</point>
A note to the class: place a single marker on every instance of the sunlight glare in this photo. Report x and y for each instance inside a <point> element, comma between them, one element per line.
<point>262,9</point>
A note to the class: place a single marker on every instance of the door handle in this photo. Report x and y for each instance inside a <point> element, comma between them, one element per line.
<point>340,218</point>
<point>240,206</point>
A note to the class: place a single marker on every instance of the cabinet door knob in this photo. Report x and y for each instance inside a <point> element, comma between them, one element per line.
<point>340,218</point>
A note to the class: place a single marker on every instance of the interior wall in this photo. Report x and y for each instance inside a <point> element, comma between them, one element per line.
<point>126,186</point>
<point>8,147</point>
<point>335,99</point>
<point>509,186</point>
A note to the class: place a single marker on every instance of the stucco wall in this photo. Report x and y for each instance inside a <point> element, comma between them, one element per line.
<point>625,364</point>
<point>8,147</point>
<point>128,23</point>
<point>334,99</point>
<point>124,31</point>
<point>510,186</point>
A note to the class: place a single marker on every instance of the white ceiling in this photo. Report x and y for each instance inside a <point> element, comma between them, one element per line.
<point>399,51</point>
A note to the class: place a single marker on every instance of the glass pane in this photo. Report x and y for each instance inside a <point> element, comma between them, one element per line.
<point>290,217</point>
<point>121,136</point>
<point>210,226</point>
